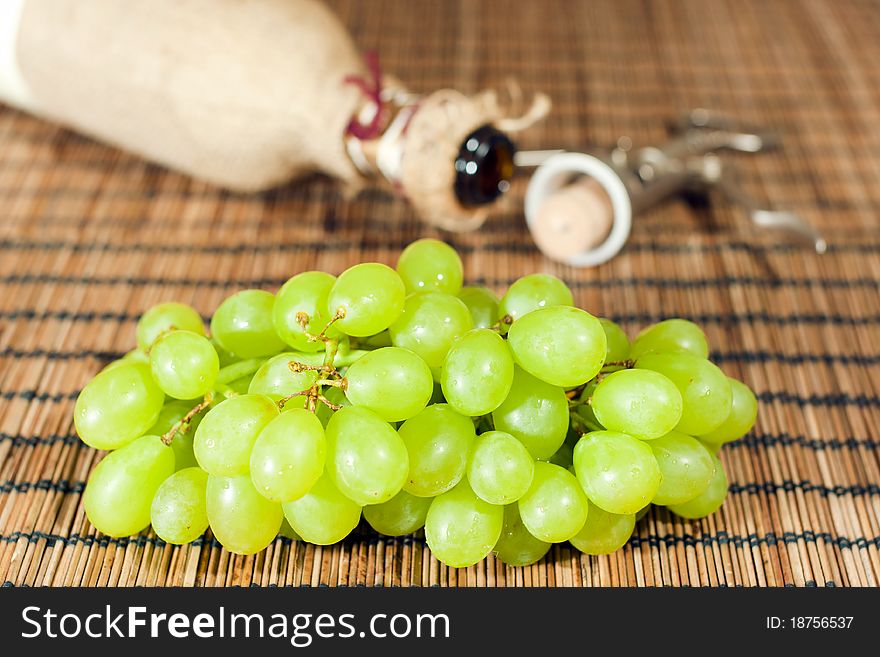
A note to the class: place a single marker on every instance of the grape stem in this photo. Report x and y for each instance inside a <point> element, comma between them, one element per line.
<point>330,375</point>
<point>575,393</point>
<point>581,425</point>
<point>313,395</point>
<point>284,400</point>
<point>240,369</point>
<point>297,367</point>
<point>329,404</point>
<point>161,335</point>
<point>225,390</point>
<point>331,348</point>
<point>501,324</point>
<point>183,424</point>
<point>577,424</point>
<point>609,368</point>
<point>303,320</point>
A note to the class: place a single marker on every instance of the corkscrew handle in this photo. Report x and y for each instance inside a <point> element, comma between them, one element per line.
<point>688,161</point>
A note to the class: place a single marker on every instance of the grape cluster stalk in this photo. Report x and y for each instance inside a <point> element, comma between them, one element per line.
<point>400,396</point>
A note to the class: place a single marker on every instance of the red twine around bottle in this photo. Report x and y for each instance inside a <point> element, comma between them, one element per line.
<point>372,89</point>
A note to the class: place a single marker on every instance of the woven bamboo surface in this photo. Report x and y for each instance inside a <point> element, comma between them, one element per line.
<point>90,237</point>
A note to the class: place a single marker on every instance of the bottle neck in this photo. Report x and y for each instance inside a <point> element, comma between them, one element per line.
<point>381,156</point>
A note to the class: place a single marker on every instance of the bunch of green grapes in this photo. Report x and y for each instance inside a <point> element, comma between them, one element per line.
<point>397,395</point>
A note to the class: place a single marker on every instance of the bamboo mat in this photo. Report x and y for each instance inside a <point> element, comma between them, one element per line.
<point>91,237</point>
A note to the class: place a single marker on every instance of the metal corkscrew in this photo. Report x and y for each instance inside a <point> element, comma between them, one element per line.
<point>579,206</point>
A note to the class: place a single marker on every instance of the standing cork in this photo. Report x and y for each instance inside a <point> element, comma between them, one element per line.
<point>575,219</point>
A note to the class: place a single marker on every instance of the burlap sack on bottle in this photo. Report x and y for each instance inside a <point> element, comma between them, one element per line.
<point>243,94</point>
<point>246,95</point>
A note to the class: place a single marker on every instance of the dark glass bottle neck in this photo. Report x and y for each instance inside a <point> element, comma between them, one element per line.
<point>484,166</point>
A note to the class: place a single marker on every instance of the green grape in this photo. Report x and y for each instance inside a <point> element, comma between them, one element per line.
<point>617,343</point>
<point>226,435</point>
<point>532,292</point>
<point>604,532</point>
<point>671,335</point>
<point>365,456</point>
<point>133,356</point>
<point>477,373</point>
<point>707,502</point>
<point>705,390</point>
<point>276,380</point>
<point>438,441</point>
<point>243,324</point>
<point>167,317</point>
<point>184,457</point>
<point>500,468</point>
<point>428,264</point>
<point>461,529</point>
<point>287,531</point>
<point>120,490</point>
<point>555,508</point>
<point>561,345</point>
<point>534,412</point>
<point>242,369</point>
<point>226,357</point>
<point>304,293</point>
<point>184,364</point>
<point>392,382</point>
<point>178,512</point>
<point>429,324</point>
<point>323,515</point>
<point>117,406</point>
<point>686,468</point>
<point>402,514</point>
<point>136,356</point>
<point>642,403</point>
<point>288,456</point>
<point>241,386</point>
<point>172,413</point>
<point>516,546</point>
<point>482,304</point>
<point>564,456</point>
<point>370,295</point>
<point>740,420</point>
<point>242,520</point>
<point>618,472</point>
<point>641,513</point>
